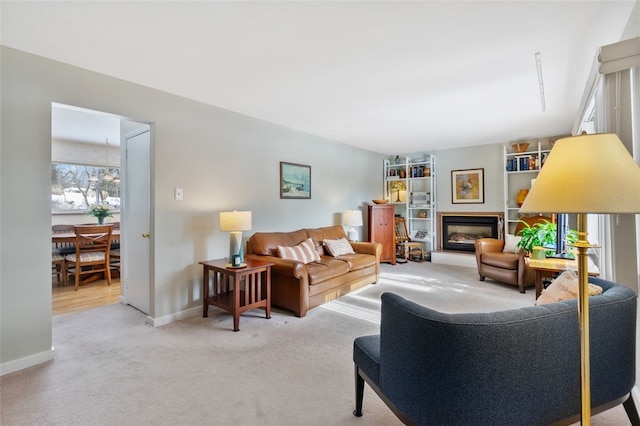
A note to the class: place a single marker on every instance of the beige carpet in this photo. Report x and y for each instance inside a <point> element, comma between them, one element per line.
<point>112,369</point>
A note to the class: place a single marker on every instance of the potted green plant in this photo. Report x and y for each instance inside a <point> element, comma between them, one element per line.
<point>100,211</point>
<point>542,234</point>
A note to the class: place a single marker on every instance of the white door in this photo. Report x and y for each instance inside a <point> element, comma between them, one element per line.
<point>136,221</point>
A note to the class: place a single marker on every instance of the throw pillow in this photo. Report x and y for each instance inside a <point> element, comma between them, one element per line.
<point>511,243</point>
<point>304,252</point>
<point>338,247</point>
<point>565,287</point>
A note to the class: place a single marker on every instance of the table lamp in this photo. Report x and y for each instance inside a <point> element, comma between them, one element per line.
<point>352,218</point>
<point>398,186</point>
<point>586,174</point>
<point>235,222</point>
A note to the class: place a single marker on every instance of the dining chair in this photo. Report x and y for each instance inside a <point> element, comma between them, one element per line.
<point>58,252</point>
<point>92,255</point>
<point>115,250</point>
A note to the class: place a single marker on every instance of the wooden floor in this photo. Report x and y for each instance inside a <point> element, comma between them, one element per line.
<point>92,295</point>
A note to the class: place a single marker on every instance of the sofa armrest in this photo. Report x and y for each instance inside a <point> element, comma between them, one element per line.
<point>282,266</point>
<point>486,245</point>
<point>374,249</point>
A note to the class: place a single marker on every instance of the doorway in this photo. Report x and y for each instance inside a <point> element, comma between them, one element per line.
<point>79,137</point>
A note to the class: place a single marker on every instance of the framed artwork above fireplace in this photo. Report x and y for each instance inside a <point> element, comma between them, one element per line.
<point>467,186</point>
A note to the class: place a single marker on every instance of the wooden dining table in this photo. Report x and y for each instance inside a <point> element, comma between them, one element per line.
<point>70,237</point>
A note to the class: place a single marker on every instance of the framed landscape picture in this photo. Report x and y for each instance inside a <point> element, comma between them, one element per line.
<point>467,186</point>
<point>295,181</point>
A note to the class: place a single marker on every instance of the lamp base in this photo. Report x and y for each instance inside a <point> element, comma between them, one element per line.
<point>352,235</point>
<point>235,245</point>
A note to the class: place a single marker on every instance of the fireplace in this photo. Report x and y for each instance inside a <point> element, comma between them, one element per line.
<point>459,232</point>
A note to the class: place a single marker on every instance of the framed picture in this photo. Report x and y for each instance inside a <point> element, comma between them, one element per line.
<point>467,186</point>
<point>295,181</point>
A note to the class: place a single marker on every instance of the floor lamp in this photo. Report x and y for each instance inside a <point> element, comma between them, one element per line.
<point>586,174</point>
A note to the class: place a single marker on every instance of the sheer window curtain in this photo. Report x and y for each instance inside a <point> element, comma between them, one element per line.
<point>611,103</point>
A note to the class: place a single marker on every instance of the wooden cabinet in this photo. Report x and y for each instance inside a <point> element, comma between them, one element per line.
<point>382,230</point>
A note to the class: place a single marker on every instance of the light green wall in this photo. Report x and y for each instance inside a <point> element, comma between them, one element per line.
<point>222,160</point>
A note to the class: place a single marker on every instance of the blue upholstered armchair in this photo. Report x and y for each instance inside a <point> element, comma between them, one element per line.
<point>515,367</point>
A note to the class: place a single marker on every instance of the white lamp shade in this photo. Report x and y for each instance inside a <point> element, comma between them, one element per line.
<point>352,218</point>
<point>235,221</point>
<point>586,174</point>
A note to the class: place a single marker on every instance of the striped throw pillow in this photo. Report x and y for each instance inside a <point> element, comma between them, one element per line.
<point>304,252</point>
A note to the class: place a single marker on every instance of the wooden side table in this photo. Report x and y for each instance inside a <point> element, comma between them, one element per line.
<point>547,267</point>
<point>236,290</point>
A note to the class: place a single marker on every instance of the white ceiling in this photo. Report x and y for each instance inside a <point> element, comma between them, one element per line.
<point>389,76</point>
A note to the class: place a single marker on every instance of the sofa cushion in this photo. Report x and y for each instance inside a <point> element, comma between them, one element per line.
<point>501,260</point>
<point>304,252</point>
<point>565,287</point>
<point>325,269</point>
<point>326,233</point>
<point>266,243</point>
<point>338,247</point>
<point>358,261</point>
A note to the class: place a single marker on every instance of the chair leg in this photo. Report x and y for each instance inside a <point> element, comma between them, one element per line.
<point>77,284</point>
<point>65,273</point>
<point>481,278</point>
<point>359,393</point>
<point>632,412</point>
<point>108,274</point>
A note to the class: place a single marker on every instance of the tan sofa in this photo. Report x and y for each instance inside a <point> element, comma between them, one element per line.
<point>299,287</point>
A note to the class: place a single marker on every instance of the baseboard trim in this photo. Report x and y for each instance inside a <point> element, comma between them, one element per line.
<point>177,316</point>
<point>26,362</point>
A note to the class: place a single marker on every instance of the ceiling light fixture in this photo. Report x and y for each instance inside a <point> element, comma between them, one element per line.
<point>107,175</point>
<point>540,82</point>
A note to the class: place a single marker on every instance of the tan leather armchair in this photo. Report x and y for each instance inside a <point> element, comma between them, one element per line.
<point>509,268</point>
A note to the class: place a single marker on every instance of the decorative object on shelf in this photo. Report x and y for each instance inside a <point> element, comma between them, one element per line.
<point>397,160</point>
<point>100,211</point>
<point>352,218</point>
<point>380,201</point>
<point>235,222</point>
<point>520,147</point>
<point>560,188</point>
<point>467,186</point>
<point>520,196</point>
<point>398,186</point>
<point>402,173</point>
<point>422,214</point>
<point>295,181</point>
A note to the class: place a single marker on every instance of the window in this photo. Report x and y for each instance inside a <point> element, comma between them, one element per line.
<point>75,187</point>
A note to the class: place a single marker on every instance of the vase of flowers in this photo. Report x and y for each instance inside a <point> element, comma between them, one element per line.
<point>100,211</point>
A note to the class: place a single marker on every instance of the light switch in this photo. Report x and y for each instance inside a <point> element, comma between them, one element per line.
<point>178,194</point>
